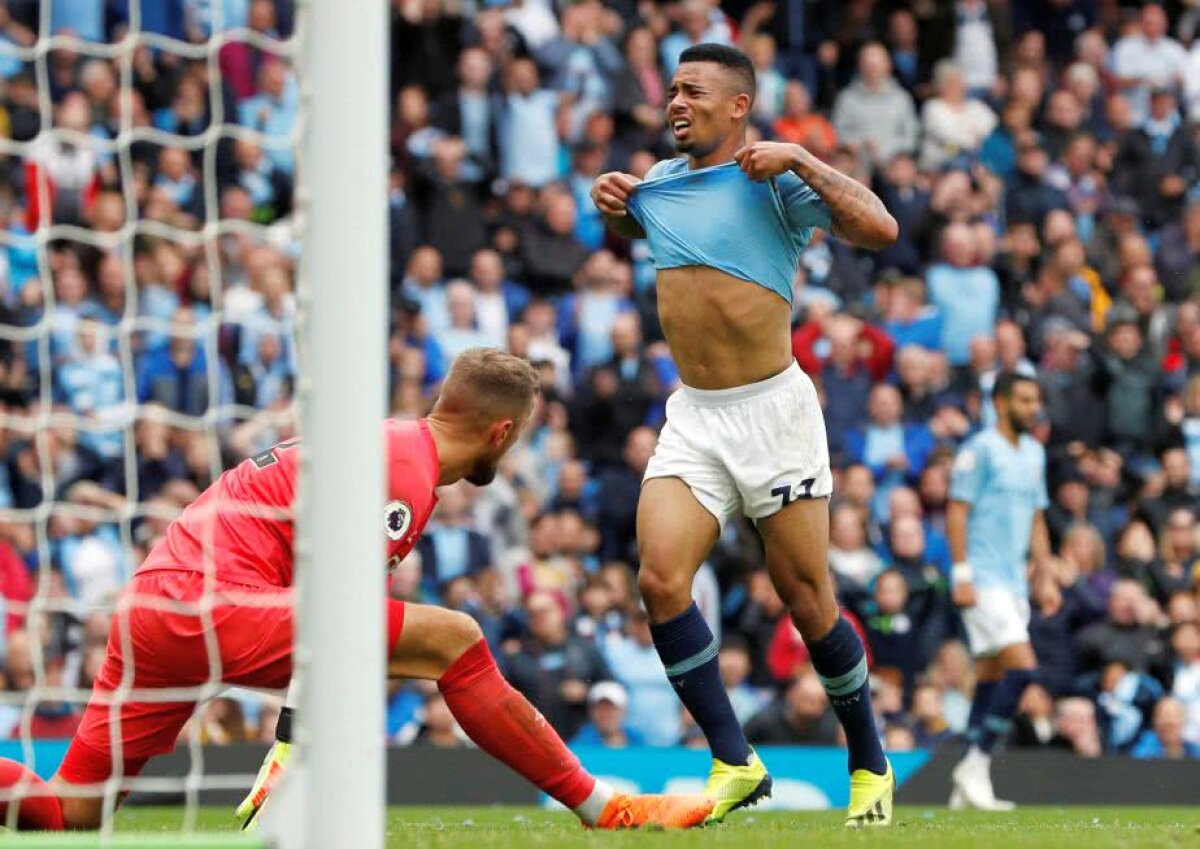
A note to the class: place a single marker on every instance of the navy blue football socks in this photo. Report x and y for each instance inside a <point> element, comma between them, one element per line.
<point>980,703</point>
<point>841,663</point>
<point>1003,707</point>
<point>688,650</point>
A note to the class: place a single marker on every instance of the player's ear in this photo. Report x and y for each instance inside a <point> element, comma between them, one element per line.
<point>741,105</point>
<point>501,430</point>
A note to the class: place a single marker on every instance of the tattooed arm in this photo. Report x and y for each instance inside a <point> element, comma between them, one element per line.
<point>858,214</point>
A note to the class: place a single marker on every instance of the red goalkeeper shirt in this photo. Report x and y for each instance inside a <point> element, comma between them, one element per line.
<point>242,526</point>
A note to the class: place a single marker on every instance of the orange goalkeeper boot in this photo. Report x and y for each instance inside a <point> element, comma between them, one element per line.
<point>657,811</point>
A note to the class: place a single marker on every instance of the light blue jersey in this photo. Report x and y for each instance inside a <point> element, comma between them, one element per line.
<point>720,218</point>
<point>1005,487</point>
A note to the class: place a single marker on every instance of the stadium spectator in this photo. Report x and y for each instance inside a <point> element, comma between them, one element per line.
<point>1148,58</point>
<point>450,548</point>
<point>854,563</point>
<point>909,201</point>
<point>1185,686</point>
<point>953,672</point>
<point>894,452</point>
<point>966,293</point>
<point>437,726</point>
<point>1165,739</point>
<point>801,716</point>
<point>273,110</point>
<point>699,22</point>
<point>734,663</point>
<point>1033,726</point>
<point>1127,635</point>
<point>617,490</point>
<point>423,284</point>
<point>929,716</point>
<point>528,136</point>
<point>606,724</point>
<point>954,124</point>
<point>615,396</point>
<point>61,179</point>
<point>1177,493</point>
<point>1063,605</point>
<point>653,706</point>
<point>463,331</point>
<point>1077,730</point>
<point>92,384</point>
<point>798,124</point>
<point>874,114</point>
<point>470,112</point>
<point>1178,257</point>
<point>553,668</point>
<point>449,204</point>
<point>1157,161</point>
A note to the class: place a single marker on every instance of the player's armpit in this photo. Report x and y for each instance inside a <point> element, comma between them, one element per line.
<point>624,225</point>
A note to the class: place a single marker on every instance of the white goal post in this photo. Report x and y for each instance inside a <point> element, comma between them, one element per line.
<point>340,51</point>
<point>340,647</point>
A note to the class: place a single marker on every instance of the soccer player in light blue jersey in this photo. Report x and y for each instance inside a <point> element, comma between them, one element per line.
<point>726,222</point>
<point>996,525</point>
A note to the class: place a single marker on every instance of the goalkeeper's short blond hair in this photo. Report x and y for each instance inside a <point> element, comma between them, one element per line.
<point>486,384</point>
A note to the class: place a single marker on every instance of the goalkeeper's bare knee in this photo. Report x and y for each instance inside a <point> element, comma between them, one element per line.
<point>432,639</point>
<point>462,632</point>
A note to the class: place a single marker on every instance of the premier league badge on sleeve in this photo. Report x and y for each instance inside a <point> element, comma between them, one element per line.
<point>397,519</point>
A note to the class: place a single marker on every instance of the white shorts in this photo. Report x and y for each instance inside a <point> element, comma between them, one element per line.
<point>754,448</point>
<point>998,620</point>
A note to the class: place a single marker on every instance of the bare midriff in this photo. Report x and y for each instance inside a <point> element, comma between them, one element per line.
<point>723,331</point>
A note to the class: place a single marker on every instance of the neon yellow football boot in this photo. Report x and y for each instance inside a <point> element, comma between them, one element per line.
<point>732,787</point>
<point>870,798</point>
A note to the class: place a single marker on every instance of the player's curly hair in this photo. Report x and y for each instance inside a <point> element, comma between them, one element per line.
<point>486,384</point>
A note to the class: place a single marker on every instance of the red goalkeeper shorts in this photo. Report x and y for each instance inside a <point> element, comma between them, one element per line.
<point>251,629</point>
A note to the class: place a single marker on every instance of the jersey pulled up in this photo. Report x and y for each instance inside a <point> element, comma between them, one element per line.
<point>719,218</point>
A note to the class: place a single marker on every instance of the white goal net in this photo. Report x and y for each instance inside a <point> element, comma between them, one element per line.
<point>149,254</point>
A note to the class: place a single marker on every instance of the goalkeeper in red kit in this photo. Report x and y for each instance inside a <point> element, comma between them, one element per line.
<point>214,600</point>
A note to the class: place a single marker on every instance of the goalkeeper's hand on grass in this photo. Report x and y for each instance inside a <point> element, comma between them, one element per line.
<point>268,776</point>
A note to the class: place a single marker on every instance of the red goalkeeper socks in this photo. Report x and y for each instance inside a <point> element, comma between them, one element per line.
<point>40,809</point>
<point>504,724</point>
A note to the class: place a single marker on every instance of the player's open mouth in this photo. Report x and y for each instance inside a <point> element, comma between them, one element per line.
<point>680,126</point>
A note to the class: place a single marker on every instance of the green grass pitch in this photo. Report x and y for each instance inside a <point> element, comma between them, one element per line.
<point>925,828</point>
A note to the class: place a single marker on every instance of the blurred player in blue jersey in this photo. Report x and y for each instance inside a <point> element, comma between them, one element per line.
<point>996,525</point>
<point>726,222</point>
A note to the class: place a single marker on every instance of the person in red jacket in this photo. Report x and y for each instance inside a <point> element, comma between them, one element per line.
<point>214,600</point>
<point>875,347</point>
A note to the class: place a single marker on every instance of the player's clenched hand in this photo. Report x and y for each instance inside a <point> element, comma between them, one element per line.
<point>763,160</point>
<point>963,594</point>
<point>268,776</point>
<point>610,192</point>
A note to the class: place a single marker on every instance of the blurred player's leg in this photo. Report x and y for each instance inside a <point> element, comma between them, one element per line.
<point>1007,674</point>
<point>796,540</point>
<point>675,533</point>
<point>447,646</point>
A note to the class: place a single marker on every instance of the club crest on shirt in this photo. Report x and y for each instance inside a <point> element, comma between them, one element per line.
<point>397,519</point>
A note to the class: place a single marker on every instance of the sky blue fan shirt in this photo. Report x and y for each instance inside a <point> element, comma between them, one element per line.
<point>1005,486</point>
<point>720,218</point>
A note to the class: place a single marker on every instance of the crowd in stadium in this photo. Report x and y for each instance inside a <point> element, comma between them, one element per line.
<point>1040,157</point>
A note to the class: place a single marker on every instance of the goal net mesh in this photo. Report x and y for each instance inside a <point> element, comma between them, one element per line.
<point>147,341</point>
